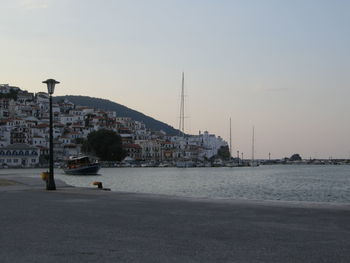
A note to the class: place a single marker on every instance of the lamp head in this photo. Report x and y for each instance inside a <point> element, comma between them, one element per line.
<point>51,85</point>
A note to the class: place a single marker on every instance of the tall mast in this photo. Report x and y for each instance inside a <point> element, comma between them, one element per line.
<point>253,148</point>
<point>230,140</point>
<point>182,106</point>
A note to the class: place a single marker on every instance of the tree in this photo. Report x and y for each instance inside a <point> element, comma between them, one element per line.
<point>80,140</point>
<point>224,153</point>
<point>105,144</point>
<point>11,95</point>
<point>295,157</point>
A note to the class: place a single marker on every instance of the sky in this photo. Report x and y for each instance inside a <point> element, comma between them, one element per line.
<point>280,66</point>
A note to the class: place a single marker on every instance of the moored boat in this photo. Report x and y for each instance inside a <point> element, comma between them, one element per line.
<point>81,165</point>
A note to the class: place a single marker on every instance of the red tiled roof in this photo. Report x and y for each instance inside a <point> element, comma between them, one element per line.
<point>74,132</point>
<point>132,145</point>
<point>42,125</point>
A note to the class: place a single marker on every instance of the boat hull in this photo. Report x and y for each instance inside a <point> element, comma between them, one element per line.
<point>184,164</point>
<point>84,170</point>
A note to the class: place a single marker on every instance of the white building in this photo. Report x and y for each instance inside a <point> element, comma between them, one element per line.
<point>39,141</point>
<point>5,136</point>
<point>151,150</point>
<point>19,155</point>
<point>211,143</point>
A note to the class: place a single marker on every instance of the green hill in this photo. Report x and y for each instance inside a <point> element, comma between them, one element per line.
<point>121,110</point>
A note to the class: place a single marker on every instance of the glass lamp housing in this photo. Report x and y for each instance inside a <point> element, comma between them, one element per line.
<point>50,85</point>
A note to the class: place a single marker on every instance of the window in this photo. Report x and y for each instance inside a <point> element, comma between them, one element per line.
<point>9,160</point>
<point>15,160</point>
<point>33,160</point>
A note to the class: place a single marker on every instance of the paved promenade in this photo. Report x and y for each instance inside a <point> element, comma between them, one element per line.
<point>85,225</point>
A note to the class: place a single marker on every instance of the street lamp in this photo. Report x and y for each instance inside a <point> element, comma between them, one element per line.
<point>50,182</point>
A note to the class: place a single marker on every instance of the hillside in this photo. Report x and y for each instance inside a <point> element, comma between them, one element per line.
<point>121,110</point>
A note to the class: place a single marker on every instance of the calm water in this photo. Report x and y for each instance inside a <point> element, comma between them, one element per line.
<point>289,183</point>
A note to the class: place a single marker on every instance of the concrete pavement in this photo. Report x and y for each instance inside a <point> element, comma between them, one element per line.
<point>88,225</point>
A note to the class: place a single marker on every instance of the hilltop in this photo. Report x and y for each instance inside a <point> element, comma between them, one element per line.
<point>121,110</point>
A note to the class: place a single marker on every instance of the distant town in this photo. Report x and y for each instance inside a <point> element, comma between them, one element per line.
<point>24,134</point>
<point>24,137</point>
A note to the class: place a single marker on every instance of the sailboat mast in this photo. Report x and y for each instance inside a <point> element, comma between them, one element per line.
<point>182,106</point>
<point>230,140</point>
<point>183,103</point>
<point>253,148</point>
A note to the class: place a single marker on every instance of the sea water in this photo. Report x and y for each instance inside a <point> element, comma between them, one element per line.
<point>327,183</point>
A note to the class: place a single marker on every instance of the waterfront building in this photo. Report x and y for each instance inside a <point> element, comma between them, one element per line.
<point>5,135</point>
<point>19,155</point>
<point>151,150</point>
<point>168,151</point>
<point>134,151</point>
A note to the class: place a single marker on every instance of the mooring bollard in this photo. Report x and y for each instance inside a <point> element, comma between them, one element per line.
<point>99,185</point>
<point>44,176</point>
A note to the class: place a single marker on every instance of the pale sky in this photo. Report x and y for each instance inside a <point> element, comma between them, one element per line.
<point>282,66</point>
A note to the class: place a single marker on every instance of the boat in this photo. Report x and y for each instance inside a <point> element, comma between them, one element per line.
<point>184,164</point>
<point>165,164</point>
<point>81,165</point>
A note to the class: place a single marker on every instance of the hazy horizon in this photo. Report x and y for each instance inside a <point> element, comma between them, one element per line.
<point>282,66</point>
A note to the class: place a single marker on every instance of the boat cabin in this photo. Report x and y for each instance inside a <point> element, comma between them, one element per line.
<point>78,162</point>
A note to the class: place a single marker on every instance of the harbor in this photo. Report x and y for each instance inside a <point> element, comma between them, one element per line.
<point>174,131</point>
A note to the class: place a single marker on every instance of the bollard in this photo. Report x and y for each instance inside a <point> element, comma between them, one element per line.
<point>44,176</point>
<point>99,185</point>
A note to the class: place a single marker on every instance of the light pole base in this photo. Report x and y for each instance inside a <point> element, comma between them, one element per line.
<point>50,186</point>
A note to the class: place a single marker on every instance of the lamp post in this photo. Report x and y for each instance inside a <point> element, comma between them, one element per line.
<point>50,182</point>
